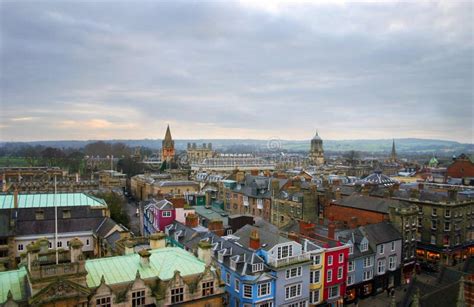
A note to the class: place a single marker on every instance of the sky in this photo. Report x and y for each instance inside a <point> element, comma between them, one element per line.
<point>245,69</point>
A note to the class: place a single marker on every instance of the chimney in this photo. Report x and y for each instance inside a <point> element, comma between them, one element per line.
<point>331,230</point>
<point>204,252</point>
<point>365,190</point>
<point>254,240</point>
<point>293,236</point>
<point>158,240</point>
<point>144,258</point>
<point>453,194</point>
<point>217,227</point>
<point>75,249</point>
<point>337,194</point>
<point>15,198</point>
<point>306,228</point>
<point>192,220</point>
<point>43,244</point>
<point>129,247</point>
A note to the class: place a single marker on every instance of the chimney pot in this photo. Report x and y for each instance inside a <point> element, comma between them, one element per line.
<point>254,240</point>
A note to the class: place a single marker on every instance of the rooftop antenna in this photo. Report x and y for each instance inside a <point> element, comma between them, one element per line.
<point>56,221</point>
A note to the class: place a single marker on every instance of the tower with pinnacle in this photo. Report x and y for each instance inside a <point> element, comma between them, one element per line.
<point>167,147</point>
<point>316,153</point>
<point>393,155</point>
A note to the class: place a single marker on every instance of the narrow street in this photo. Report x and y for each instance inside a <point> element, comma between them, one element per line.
<point>131,208</point>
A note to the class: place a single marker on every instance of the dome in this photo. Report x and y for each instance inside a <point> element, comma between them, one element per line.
<point>379,179</point>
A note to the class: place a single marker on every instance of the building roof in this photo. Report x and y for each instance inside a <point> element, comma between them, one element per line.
<point>316,136</point>
<point>13,281</point>
<point>369,203</point>
<point>268,239</point>
<point>123,269</point>
<point>381,233</point>
<point>212,213</point>
<point>48,200</point>
<point>177,183</point>
<point>379,179</point>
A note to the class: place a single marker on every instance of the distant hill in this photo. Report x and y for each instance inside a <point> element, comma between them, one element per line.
<point>408,145</point>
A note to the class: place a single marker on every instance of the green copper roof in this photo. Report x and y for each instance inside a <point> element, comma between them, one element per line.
<point>12,281</point>
<point>47,200</point>
<point>163,263</point>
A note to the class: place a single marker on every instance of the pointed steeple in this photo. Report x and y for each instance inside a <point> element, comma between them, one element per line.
<point>168,134</point>
<point>393,156</point>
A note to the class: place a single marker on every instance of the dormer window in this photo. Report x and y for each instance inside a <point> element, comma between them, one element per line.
<point>284,251</point>
<point>233,264</point>
<point>66,214</point>
<point>364,246</point>
<point>258,267</point>
<point>166,214</point>
<point>220,257</point>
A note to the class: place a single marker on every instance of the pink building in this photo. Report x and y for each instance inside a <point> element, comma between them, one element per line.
<point>157,215</point>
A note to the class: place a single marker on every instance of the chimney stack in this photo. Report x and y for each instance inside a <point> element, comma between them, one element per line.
<point>129,247</point>
<point>204,252</point>
<point>192,220</point>
<point>75,248</point>
<point>144,258</point>
<point>293,236</point>
<point>331,230</point>
<point>254,240</point>
<point>217,227</point>
<point>15,198</point>
<point>157,240</point>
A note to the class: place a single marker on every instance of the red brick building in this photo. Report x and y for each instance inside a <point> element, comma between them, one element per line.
<point>462,167</point>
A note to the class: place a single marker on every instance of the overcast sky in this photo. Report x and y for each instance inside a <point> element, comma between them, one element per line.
<point>113,69</point>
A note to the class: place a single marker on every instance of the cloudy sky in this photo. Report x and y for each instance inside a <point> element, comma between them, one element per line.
<point>125,69</point>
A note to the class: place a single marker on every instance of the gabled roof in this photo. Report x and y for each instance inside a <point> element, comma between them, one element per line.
<point>268,239</point>
<point>50,200</point>
<point>160,205</point>
<point>369,203</point>
<point>381,233</point>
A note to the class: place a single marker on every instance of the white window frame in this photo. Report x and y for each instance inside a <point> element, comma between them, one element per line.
<point>392,263</point>
<point>294,272</point>
<point>237,285</point>
<point>227,278</point>
<point>21,247</point>
<point>381,249</point>
<point>257,267</point>
<point>368,275</point>
<point>166,213</point>
<point>330,296</point>
<point>330,260</point>
<point>329,277</point>
<point>313,298</point>
<point>288,290</point>
<point>340,273</point>
<point>350,279</point>
<point>245,288</point>
<point>393,246</point>
<point>313,275</point>
<point>267,285</point>
<point>351,266</point>
<point>341,257</point>
<point>381,265</point>
<point>316,259</point>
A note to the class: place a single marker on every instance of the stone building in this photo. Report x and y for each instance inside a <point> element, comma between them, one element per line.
<point>159,277</point>
<point>167,147</point>
<point>198,154</point>
<point>316,153</point>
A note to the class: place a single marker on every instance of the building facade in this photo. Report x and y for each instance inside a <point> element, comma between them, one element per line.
<point>167,147</point>
<point>316,153</point>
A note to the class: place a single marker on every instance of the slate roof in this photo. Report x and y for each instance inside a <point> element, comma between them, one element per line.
<point>49,200</point>
<point>163,263</point>
<point>258,186</point>
<point>267,239</point>
<point>177,183</point>
<point>382,232</point>
<point>161,204</point>
<point>13,281</point>
<point>375,204</point>
<point>355,236</point>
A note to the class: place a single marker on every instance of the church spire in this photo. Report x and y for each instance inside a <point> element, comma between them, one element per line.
<point>393,156</point>
<point>168,134</point>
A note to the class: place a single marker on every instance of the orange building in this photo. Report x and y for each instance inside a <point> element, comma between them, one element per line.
<point>167,147</point>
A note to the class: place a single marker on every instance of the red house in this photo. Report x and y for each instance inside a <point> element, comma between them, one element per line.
<point>157,215</point>
<point>462,167</point>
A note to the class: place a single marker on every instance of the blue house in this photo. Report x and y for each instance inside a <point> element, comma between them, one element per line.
<point>246,278</point>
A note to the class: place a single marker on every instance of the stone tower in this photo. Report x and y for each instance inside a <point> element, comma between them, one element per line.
<point>316,153</point>
<point>167,147</point>
<point>393,155</point>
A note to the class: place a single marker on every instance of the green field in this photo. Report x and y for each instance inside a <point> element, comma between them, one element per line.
<point>13,161</point>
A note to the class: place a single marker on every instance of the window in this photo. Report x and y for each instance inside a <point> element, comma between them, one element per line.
<point>285,251</point>
<point>447,226</point>
<point>350,280</point>
<point>177,295</point>
<point>257,267</point>
<point>39,214</point>
<point>329,278</point>
<point>341,258</point>
<point>88,242</point>
<point>392,262</point>
<point>227,278</point>
<point>103,301</point>
<point>447,213</point>
<point>380,267</point>
<point>339,273</point>
<point>207,288</point>
<point>138,298</point>
<point>293,272</point>
<point>292,291</point>
<point>333,292</point>
<point>350,266</point>
<point>314,297</point>
<point>66,214</point>
<point>367,262</point>
<point>266,304</point>
<point>247,291</point>
<point>237,285</point>
<point>316,259</point>
<point>364,246</point>
<point>433,239</point>
<point>380,248</point>
<point>20,247</point>
<point>60,244</point>
<point>263,289</point>
<point>329,260</point>
<point>393,246</point>
<point>351,249</point>
<point>50,245</point>
<point>434,224</point>
<point>166,214</point>
<point>434,212</point>
<point>314,277</point>
<point>368,275</point>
